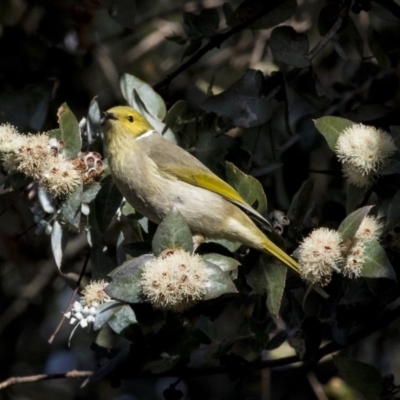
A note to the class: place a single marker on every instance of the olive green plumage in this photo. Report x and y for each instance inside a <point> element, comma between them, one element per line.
<point>155,175</point>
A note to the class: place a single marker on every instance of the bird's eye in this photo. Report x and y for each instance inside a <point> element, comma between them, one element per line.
<point>130,118</point>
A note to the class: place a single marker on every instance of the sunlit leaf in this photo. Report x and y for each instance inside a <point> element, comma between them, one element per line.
<point>105,312</point>
<point>71,208</point>
<point>152,100</point>
<point>331,128</point>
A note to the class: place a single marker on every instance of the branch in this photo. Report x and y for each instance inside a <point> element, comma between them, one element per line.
<point>214,42</point>
<point>44,377</point>
<point>332,32</point>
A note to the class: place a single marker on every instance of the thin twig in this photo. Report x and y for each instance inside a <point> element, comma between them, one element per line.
<point>332,32</point>
<point>214,42</point>
<point>44,377</point>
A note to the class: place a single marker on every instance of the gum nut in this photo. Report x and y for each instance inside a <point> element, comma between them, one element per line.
<point>90,319</point>
<point>67,315</point>
<point>48,229</point>
<point>77,306</point>
<point>72,321</point>
<point>85,209</point>
<point>85,310</point>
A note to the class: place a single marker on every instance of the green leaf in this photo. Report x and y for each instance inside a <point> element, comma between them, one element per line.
<point>218,283</point>
<point>172,233</point>
<point>105,312</point>
<point>376,264</point>
<point>248,187</point>
<point>126,280</point>
<point>107,202</point>
<point>68,132</point>
<point>301,202</point>
<point>158,125</point>
<point>268,276</point>
<point>362,377</point>
<point>224,263</point>
<point>352,222</point>
<point>121,321</point>
<point>355,197</point>
<point>244,103</point>
<point>90,192</point>
<point>275,274</point>
<point>290,47</point>
<point>71,208</point>
<point>152,100</point>
<point>176,114</point>
<point>101,262</point>
<point>331,128</point>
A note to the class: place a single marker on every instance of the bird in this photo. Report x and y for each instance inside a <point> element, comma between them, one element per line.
<point>155,175</point>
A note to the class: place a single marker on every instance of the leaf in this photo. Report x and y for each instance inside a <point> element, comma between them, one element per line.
<point>362,377</point>
<point>377,47</point>
<point>268,276</point>
<point>354,37</point>
<point>152,101</point>
<point>90,192</point>
<point>393,214</point>
<point>208,22</point>
<point>279,12</point>
<point>172,233</point>
<point>158,125</point>
<point>68,132</point>
<point>218,283</point>
<point>46,201</point>
<point>301,202</point>
<point>59,239</point>
<point>122,320</point>
<point>376,264</point>
<point>107,202</point>
<point>175,114</point>
<point>123,11</point>
<point>93,121</point>
<point>290,47</point>
<point>105,312</point>
<point>277,340</point>
<point>126,280</point>
<point>351,223</point>
<point>275,274</point>
<point>331,128</point>
<point>224,263</point>
<point>244,102</point>
<point>248,187</point>
<point>355,197</point>
<point>71,208</point>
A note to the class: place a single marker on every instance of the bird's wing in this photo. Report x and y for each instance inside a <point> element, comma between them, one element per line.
<point>210,181</point>
<point>175,161</point>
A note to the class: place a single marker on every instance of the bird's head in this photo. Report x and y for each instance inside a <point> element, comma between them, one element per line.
<point>125,119</point>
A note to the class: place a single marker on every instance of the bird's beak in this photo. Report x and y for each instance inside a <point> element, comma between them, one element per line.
<point>107,115</point>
